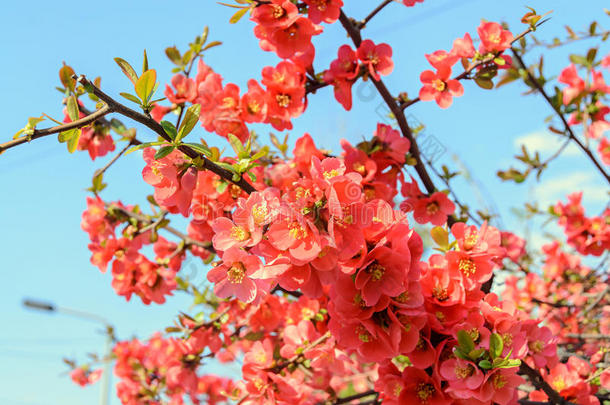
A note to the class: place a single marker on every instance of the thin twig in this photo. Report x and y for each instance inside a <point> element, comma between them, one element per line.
<point>39,133</point>
<point>115,106</point>
<point>567,126</point>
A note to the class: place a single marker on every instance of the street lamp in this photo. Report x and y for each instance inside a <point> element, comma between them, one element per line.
<point>109,329</point>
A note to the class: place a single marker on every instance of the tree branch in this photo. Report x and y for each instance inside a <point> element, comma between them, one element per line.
<point>392,104</point>
<point>147,121</point>
<point>145,220</point>
<point>362,24</point>
<point>39,133</point>
<point>538,382</point>
<point>567,126</point>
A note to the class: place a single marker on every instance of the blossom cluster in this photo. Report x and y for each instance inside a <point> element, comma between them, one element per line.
<point>585,98</point>
<point>440,86</point>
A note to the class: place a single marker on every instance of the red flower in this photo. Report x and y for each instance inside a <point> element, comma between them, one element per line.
<point>440,87</point>
<point>324,10</point>
<point>494,38</point>
<point>377,58</point>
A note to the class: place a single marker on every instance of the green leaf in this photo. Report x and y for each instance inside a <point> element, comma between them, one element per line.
<point>261,153</point>
<point>127,70</point>
<point>30,126</point>
<point>591,54</point>
<point>65,76</point>
<point>441,237</point>
<point>145,62</point>
<point>238,147</point>
<point>252,176</point>
<point>486,84</point>
<point>131,97</point>
<point>73,141</point>
<point>169,129</point>
<point>199,148</point>
<point>204,36</point>
<point>212,44</point>
<point>221,187</point>
<point>578,59</point>
<point>144,145</point>
<point>191,117</point>
<point>66,135</point>
<point>72,106</point>
<point>465,341</point>
<point>496,345</point>
<point>164,151</point>
<point>173,54</point>
<point>238,15</point>
<point>485,364</point>
<point>97,183</point>
<point>146,84</point>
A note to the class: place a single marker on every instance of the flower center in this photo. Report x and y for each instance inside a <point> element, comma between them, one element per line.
<point>440,293</point>
<point>363,334</point>
<point>536,346</point>
<point>463,372</point>
<point>498,381</point>
<point>283,100</point>
<point>439,85</point>
<point>425,391</point>
<point>236,273</point>
<point>239,234</point>
<point>467,267</point>
<point>259,213</point>
<point>432,208</point>
<point>376,270</point>
<point>296,231</point>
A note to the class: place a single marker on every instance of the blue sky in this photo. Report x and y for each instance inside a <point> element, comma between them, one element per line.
<point>44,251</point>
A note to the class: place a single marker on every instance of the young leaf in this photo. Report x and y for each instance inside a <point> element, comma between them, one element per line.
<point>238,147</point>
<point>146,84</point>
<point>465,341</point>
<point>173,54</point>
<point>65,76</point>
<point>496,345</point>
<point>144,145</point>
<point>169,129</point>
<point>199,148</point>
<point>73,141</point>
<point>72,106</point>
<point>441,237</point>
<point>485,364</point>
<point>238,15</point>
<point>131,97</point>
<point>145,62</point>
<point>212,44</point>
<point>127,70</point>
<point>164,151</point>
<point>191,117</point>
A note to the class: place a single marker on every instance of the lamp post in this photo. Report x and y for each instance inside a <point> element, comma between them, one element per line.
<point>109,331</point>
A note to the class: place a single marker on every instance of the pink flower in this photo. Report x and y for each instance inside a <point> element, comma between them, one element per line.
<point>378,58</point>
<point>494,38</point>
<point>440,87</point>
<point>232,277</point>
<point>575,83</point>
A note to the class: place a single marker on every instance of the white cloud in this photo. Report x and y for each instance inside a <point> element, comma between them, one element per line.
<point>546,143</point>
<point>550,191</point>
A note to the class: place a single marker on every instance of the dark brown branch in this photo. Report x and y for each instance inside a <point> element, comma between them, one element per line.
<point>591,336</point>
<point>567,126</point>
<point>147,221</point>
<point>39,133</point>
<point>392,104</point>
<point>158,129</point>
<point>362,24</point>
<point>538,382</point>
<point>279,367</point>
